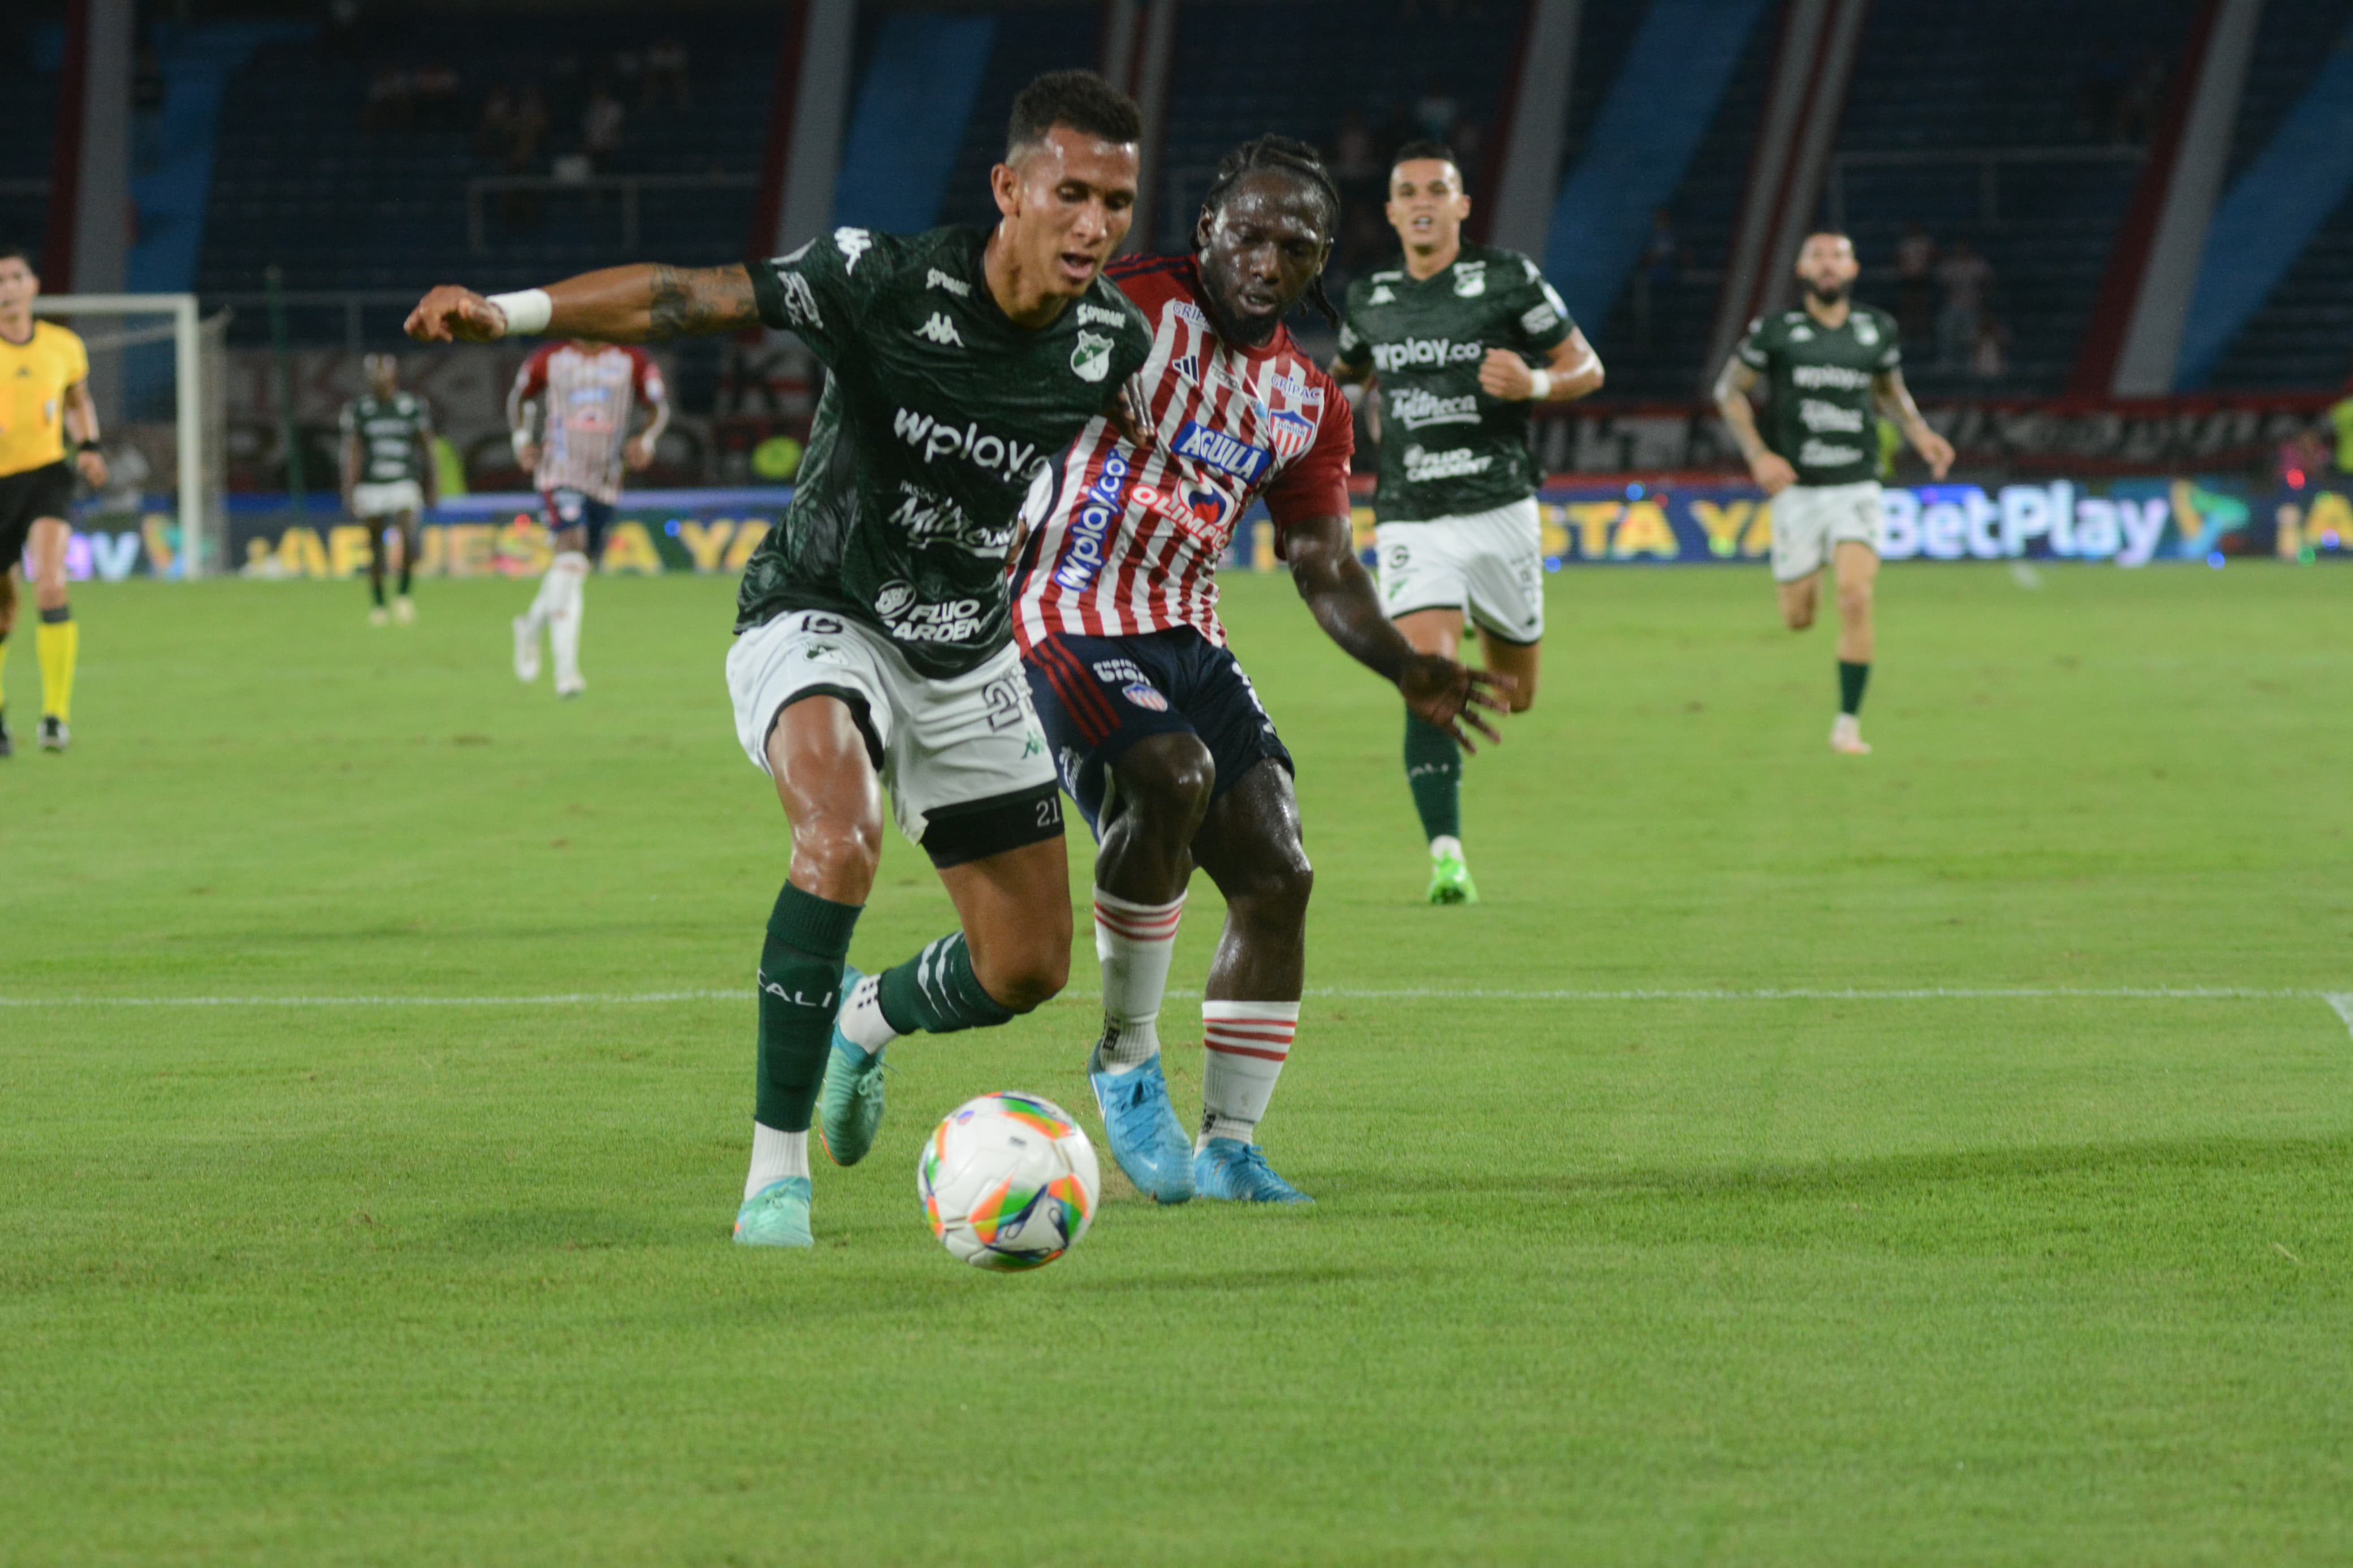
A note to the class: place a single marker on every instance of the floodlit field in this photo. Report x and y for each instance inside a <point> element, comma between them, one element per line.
<point>1991,1245</point>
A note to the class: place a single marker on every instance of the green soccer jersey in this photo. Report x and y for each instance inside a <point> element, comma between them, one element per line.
<point>1821,412</point>
<point>394,433</point>
<point>1448,450</point>
<point>937,415</point>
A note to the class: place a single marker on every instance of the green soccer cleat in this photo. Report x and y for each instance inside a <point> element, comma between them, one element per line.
<point>1449,879</point>
<point>850,1108</point>
<point>776,1215</point>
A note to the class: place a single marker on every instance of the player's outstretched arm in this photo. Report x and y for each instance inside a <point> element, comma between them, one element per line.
<point>1340,595</point>
<point>1894,399</point>
<point>636,304</point>
<point>1770,470</point>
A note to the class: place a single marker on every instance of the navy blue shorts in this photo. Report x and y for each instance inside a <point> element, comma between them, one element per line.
<point>1099,696</point>
<point>578,509</point>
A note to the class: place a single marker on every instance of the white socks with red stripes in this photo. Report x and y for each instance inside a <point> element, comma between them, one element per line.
<point>1245,1045</point>
<point>1135,942</point>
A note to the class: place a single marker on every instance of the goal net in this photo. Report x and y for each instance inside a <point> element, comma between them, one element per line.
<point>158,375</point>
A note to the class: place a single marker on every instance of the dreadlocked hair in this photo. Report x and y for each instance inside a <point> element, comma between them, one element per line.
<point>1284,155</point>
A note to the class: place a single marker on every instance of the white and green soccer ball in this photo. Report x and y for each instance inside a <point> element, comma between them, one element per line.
<point>1009,1182</point>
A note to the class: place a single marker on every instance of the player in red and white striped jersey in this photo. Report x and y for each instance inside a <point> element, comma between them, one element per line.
<point>1157,733</point>
<point>589,393</point>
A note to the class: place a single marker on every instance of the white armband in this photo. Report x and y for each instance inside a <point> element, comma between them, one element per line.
<point>1543,393</point>
<point>526,310</point>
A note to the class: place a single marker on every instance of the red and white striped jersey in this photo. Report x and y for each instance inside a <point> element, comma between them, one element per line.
<point>588,395</point>
<point>1124,542</point>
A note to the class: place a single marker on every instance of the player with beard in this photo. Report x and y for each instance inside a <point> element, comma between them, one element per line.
<point>1158,734</point>
<point>873,645</point>
<point>1831,366</point>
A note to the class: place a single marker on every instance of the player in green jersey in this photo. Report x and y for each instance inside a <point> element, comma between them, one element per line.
<point>872,642</point>
<point>1830,368</point>
<point>1461,341</point>
<point>388,474</point>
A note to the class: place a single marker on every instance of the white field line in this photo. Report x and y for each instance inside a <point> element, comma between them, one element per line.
<point>2341,1001</point>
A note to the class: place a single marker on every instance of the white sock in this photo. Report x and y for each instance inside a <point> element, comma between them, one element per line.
<point>1246,1045</point>
<point>571,569</point>
<point>1135,942</point>
<point>861,1021</point>
<point>775,1156</point>
<point>1442,846</point>
<point>544,603</point>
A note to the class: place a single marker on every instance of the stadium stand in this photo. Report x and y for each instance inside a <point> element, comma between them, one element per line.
<point>29,85</point>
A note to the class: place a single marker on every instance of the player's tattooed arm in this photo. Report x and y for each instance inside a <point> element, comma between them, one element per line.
<point>1771,471</point>
<point>1340,595</point>
<point>618,305</point>
<point>1894,400</point>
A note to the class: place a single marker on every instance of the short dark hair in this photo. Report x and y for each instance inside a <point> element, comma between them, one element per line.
<point>1416,151</point>
<point>19,253</point>
<point>1080,99</point>
<point>1282,155</point>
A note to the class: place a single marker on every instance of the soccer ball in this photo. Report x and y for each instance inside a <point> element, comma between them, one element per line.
<point>1009,1182</point>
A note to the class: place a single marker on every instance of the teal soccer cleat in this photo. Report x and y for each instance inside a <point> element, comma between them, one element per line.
<point>850,1108</point>
<point>776,1215</point>
<point>1232,1169</point>
<point>1147,1139</point>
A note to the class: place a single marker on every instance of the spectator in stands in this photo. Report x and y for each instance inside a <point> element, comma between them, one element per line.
<point>1663,256</point>
<point>600,128</point>
<point>1915,283</point>
<point>434,88</point>
<point>1967,278</point>
<point>1990,355</point>
<point>666,73</point>
<point>390,103</point>
<point>490,130</point>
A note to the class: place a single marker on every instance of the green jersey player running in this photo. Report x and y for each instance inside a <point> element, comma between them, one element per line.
<point>1461,341</point>
<point>1830,368</point>
<point>872,628</point>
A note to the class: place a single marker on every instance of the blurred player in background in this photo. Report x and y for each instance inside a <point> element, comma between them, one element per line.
<point>569,415</point>
<point>1830,367</point>
<point>44,406</point>
<point>873,638</point>
<point>1158,734</point>
<point>389,474</point>
<point>1461,344</point>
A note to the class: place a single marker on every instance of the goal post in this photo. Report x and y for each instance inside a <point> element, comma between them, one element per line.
<point>195,388</point>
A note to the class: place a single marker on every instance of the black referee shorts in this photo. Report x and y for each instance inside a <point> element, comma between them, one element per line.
<point>27,495</point>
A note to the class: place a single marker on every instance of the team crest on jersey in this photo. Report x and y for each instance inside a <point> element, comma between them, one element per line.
<point>1090,361</point>
<point>1469,279</point>
<point>1289,433</point>
<point>1145,695</point>
<point>1866,331</point>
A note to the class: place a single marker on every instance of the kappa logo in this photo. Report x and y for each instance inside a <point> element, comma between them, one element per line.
<point>1090,361</point>
<point>935,279</point>
<point>852,243</point>
<point>941,330</point>
<point>1380,296</point>
<point>1099,316</point>
<point>1801,334</point>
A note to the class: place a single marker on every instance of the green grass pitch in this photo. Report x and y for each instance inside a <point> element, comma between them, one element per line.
<point>2041,1278</point>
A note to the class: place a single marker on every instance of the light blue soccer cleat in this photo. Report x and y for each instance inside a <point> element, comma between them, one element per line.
<point>1232,1169</point>
<point>1147,1139</point>
<point>850,1107</point>
<point>776,1215</point>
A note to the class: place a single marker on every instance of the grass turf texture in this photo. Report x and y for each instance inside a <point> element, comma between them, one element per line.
<point>1992,1280</point>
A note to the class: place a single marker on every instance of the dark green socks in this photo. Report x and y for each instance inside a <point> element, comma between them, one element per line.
<point>801,990</point>
<point>936,993</point>
<point>1433,770</point>
<point>1853,677</point>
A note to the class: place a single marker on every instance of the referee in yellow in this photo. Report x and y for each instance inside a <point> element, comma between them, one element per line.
<point>44,405</point>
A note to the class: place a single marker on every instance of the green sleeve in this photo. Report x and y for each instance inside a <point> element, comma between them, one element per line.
<point>1355,352</point>
<point>818,292</point>
<point>1891,353</point>
<point>1543,318</point>
<point>1755,350</point>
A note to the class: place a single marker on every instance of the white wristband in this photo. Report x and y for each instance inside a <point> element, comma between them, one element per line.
<point>527,312</point>
<point>1543,393</point>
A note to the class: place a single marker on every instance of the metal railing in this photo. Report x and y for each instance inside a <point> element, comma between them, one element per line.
<point>1989,161</point>
<point>349,302</point>
<point>629,187</point>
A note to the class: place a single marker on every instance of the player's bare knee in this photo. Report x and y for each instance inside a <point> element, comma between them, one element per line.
<point>1854,602</point>
<point>1169,779</point>
<point>1276,895</point>
<point>838,851</point>
<point>1023,975</point>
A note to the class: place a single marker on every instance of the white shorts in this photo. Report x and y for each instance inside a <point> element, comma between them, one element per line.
<point>964,757</point>
<point>1489,564</point>
<point>1811,521</point>
<point>385,499</point>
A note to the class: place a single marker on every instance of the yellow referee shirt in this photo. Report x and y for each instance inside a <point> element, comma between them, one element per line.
<point>33,381</point>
